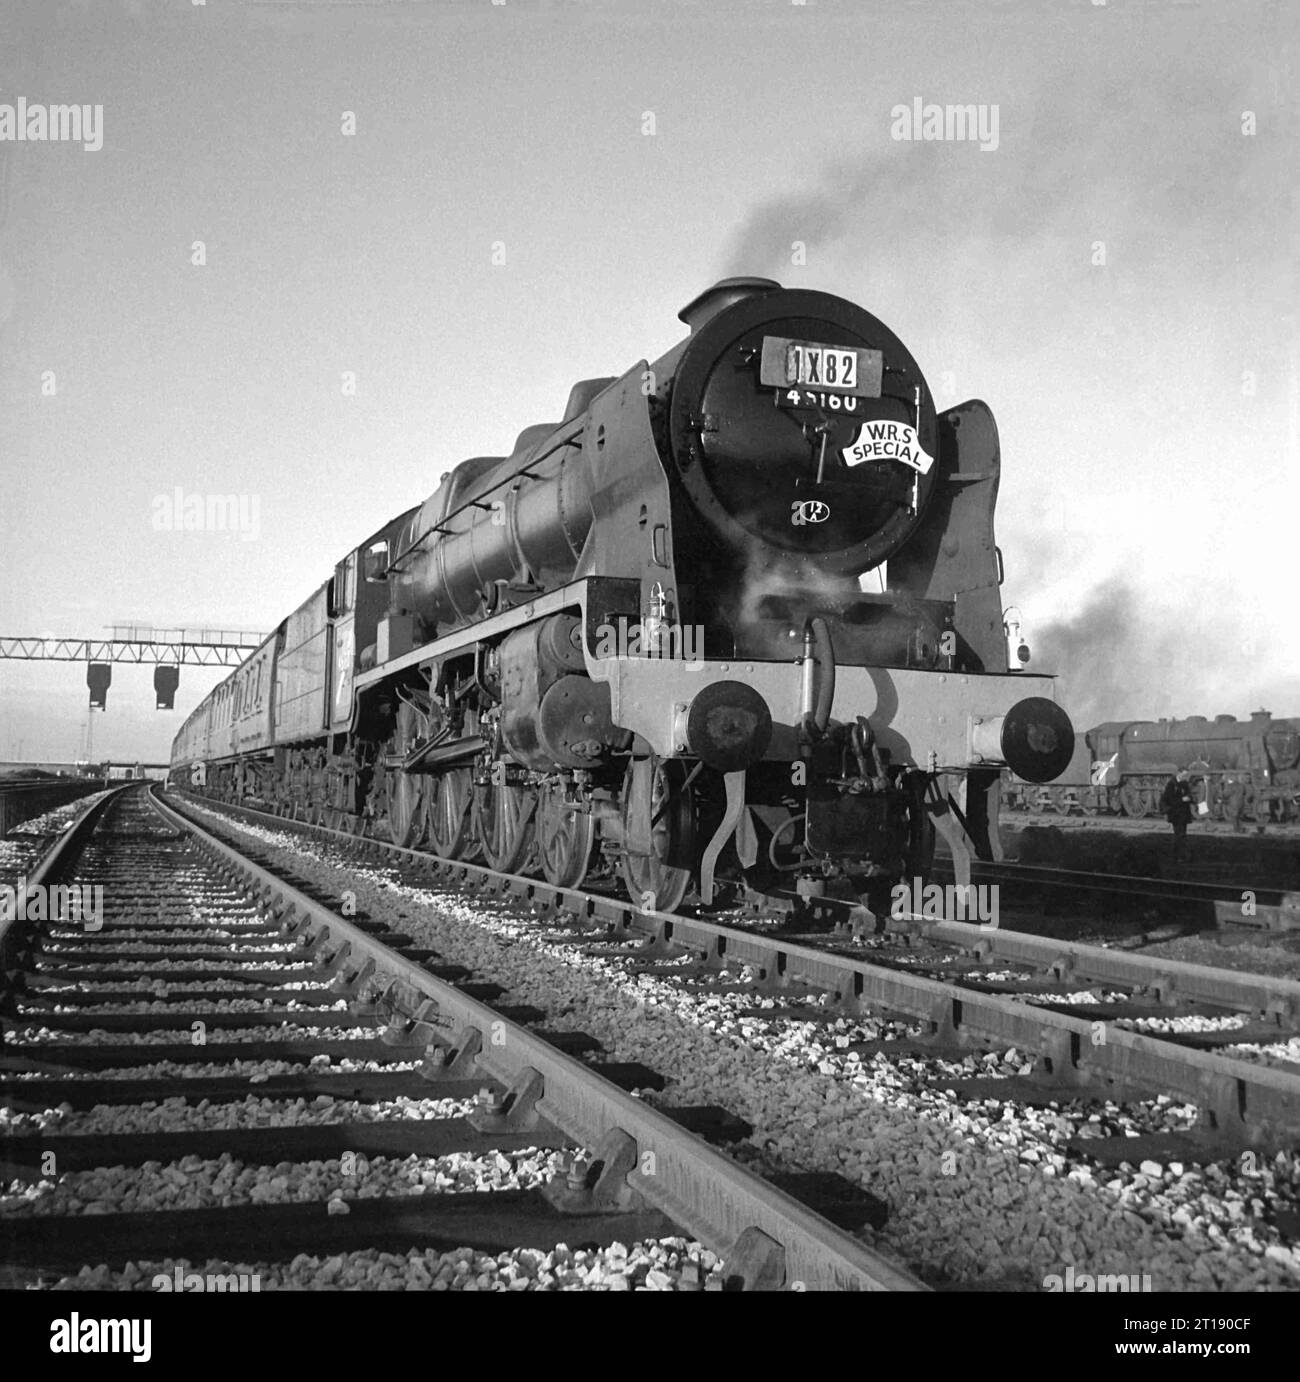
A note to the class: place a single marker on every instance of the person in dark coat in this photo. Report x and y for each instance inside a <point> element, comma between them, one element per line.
<point>1179,805</point>
<point>1236,803</point>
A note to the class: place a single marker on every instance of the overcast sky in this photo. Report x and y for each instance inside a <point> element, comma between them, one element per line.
<point>531,193</point>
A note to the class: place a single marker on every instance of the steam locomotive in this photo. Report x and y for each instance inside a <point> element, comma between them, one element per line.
<point>1247,767</point>
<point>646,643</point>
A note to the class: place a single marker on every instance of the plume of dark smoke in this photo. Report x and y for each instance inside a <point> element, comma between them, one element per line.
<point>1107,657</point>
<point>823,216</point>
<point>1120,657</point>
<point>955,248</point>
<point>891,211</point>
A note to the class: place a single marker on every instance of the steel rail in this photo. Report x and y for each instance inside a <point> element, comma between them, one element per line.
<point>1130,885</point>
<point>51,861</point>
<point>22,799</point>
<point>1269,996</point>
<point>46,784</point>
<point>1250,1102</point>
<point>711,1196</point>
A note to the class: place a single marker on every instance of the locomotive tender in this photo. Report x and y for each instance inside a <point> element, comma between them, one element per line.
<point>644,641</point>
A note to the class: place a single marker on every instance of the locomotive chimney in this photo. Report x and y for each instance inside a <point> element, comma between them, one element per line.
<point>721,296</point>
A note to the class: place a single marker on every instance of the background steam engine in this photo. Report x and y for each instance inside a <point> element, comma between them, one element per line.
<point>640,643</point>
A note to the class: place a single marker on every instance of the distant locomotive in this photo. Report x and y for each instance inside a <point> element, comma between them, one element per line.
<point>1122,767</point>
<point>641,643</point>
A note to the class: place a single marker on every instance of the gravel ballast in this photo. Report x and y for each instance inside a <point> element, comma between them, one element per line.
<point>667,1264</point>
<point>978,1192</point>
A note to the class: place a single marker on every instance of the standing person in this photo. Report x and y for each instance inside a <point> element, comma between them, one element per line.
<point>1178,804</point>
<point>1236,803</point>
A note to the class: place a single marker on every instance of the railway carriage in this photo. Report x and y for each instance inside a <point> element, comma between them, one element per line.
<point>731,623</point>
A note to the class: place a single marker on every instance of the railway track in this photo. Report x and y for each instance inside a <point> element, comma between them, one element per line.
<point>901,1078</point>
<point>1098,1020</point>
<point>1073,1106</point>
<point>24,841</point>
<point>1272,908</point>
<point>21,799</point>
<point>209,982</point>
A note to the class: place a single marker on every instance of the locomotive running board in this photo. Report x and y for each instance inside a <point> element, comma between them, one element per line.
<point>929,718</point>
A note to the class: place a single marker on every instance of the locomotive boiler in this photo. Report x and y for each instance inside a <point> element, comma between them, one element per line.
<point>733,621</point>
